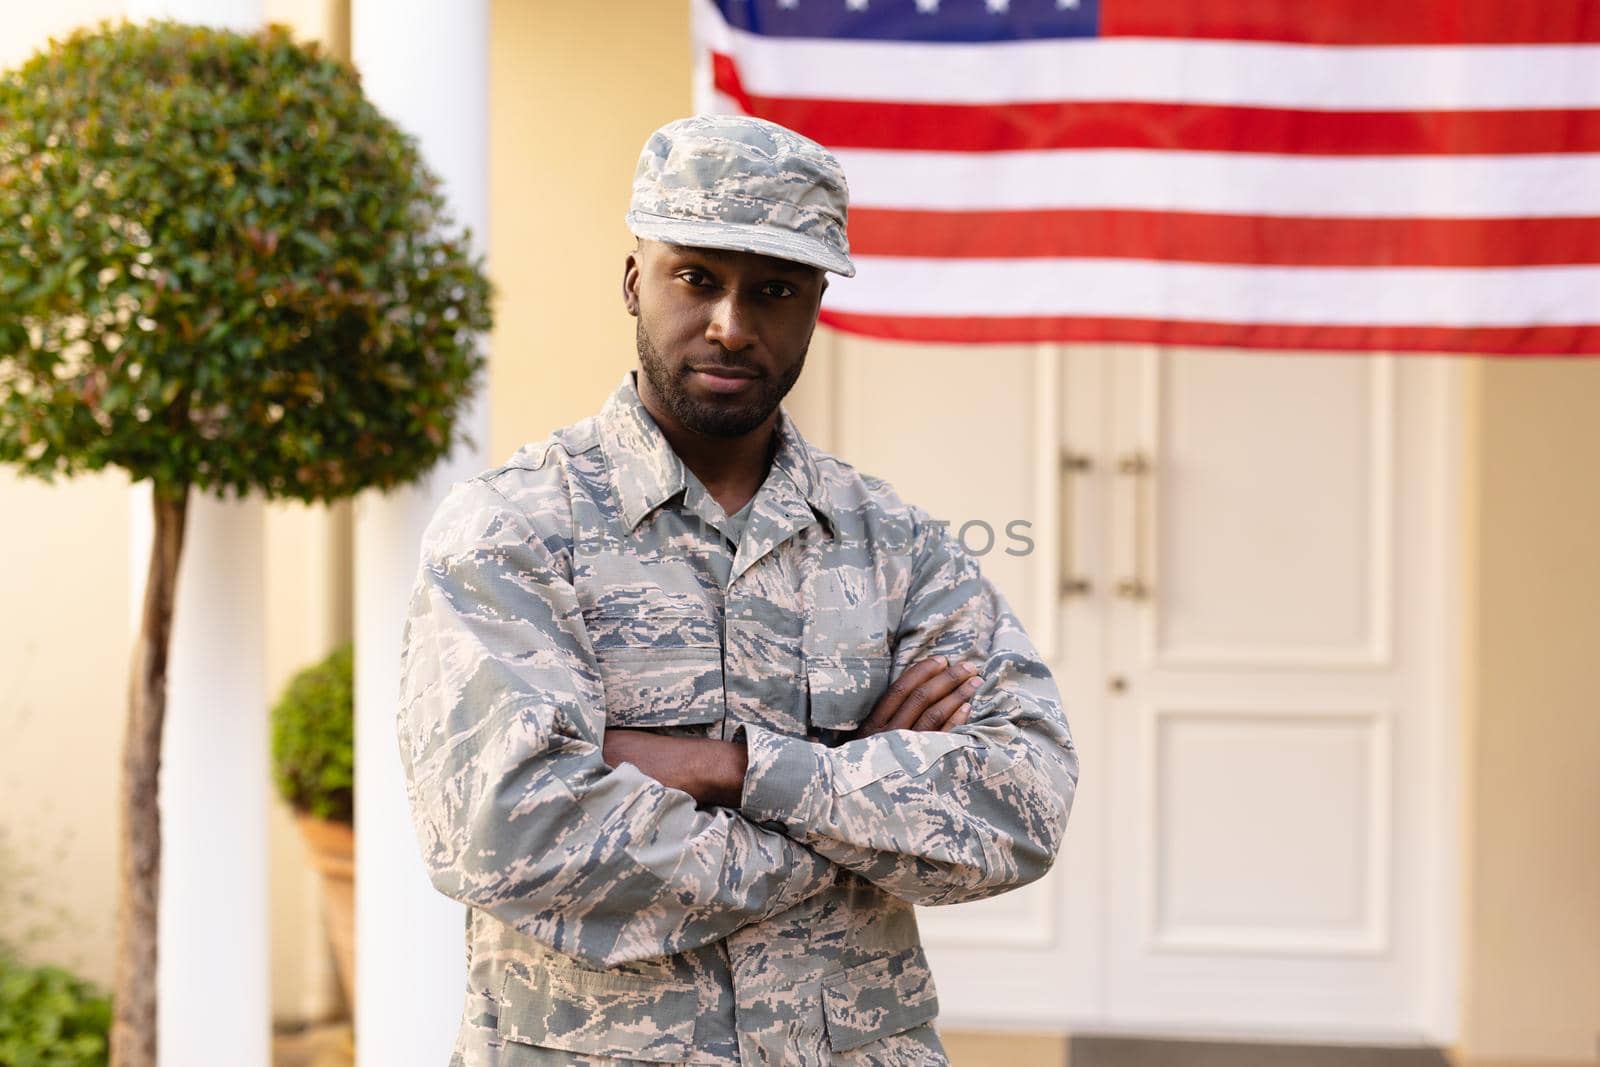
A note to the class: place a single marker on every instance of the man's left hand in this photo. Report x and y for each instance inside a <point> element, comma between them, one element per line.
<point>709,770</point>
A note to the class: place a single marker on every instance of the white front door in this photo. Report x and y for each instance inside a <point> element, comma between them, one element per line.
<point>1272,710</point>
<point>1240,569</point>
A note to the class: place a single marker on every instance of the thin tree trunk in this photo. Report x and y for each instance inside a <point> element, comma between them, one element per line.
<point>133,1029</point>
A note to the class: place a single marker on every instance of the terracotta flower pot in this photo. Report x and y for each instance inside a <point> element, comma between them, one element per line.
<point>332,846</point>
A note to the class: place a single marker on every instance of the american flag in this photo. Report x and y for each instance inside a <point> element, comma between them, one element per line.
<point>1393,175</point>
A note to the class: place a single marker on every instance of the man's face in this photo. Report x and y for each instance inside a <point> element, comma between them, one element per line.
<point>722,335</point>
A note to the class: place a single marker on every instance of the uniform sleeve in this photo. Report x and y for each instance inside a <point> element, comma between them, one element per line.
<point>935,817</point>
<point>501,719</point>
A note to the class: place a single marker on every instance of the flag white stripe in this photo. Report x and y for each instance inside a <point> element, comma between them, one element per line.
<point>887,285</point>
<point>1248,74</point>
<point>1228,183</point>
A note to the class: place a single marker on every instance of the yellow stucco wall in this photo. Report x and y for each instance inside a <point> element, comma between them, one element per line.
<point>1532,915</point>
<point>577,88</point>
<point>64,663</point>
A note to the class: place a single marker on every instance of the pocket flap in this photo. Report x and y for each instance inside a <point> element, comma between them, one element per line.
<point>598,1013</point>
<point>879,998</point>
<point>843,690</point>
<point>659,671</point>
<point>682,688</point>
<point>648,632</point>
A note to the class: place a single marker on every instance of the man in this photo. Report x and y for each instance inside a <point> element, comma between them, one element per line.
<point>647,722</point>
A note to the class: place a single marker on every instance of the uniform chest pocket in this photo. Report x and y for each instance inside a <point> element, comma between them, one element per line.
<point>846,648</point>
<point>658,670</point>
<point>842,690</point>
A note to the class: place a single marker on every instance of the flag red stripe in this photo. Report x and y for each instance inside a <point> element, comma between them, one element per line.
<point>1357,22</point>
<point>1493,341</point>
<point>1204,238</point>
<point>1190,127</point>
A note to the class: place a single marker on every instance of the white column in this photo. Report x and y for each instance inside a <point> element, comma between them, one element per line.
<point>425,65</point>
<point>214,964</point>
<point>214,967</point>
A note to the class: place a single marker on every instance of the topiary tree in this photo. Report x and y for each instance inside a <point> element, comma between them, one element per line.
<point>222,270</point>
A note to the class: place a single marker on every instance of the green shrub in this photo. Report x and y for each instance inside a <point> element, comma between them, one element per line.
<point>313,738</point>
<point>50,1018</point>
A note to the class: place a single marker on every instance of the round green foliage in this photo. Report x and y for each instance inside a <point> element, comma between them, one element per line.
<point>221,266</point>
<point>50,1018</point>
<point>313,738</point>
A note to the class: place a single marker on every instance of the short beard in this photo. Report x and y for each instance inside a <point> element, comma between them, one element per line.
<point>713,420</point>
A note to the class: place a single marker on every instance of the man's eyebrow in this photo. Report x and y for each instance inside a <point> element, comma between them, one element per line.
<point>723,255</point>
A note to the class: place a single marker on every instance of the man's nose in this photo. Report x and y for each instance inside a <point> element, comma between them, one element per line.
<point>730,324</point>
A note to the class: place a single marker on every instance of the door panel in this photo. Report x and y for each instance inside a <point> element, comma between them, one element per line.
<point>1231,873</point>
<point>1266,765</point>
<point>1272,481</point>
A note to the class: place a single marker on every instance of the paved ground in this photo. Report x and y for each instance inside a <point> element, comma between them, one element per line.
<point>329,1045</point>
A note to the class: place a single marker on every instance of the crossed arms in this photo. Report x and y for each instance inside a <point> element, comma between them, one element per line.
<point>931,695</point>
<point>519,813</point>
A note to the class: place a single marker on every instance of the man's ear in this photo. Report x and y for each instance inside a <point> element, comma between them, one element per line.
<point>630,283</point>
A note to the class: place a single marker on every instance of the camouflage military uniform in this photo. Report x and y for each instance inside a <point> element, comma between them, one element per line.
<point>585,584</point>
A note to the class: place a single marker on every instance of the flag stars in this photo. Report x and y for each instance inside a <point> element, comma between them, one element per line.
<point>928,7</point>
<point>856,5</point>
<point>789,4</point>
<point>1066,5</point>
<point>997,7</point>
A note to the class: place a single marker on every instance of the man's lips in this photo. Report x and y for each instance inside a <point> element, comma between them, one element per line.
<point>723,379</point>
<point>725,372</point>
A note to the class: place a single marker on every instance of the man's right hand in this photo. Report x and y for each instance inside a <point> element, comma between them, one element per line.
<point>932,694</point>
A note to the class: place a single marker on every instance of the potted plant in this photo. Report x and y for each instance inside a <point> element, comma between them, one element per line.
<point>313,763</point>
<point>222,270</point>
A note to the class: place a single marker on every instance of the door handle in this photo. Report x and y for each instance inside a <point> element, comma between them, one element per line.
<point>1135,468</point>
<point>1071,463</point>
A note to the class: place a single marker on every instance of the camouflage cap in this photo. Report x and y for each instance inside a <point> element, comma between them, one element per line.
<point>742,183</point>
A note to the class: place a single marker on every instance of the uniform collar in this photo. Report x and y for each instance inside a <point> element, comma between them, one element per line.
<point>647,472</point>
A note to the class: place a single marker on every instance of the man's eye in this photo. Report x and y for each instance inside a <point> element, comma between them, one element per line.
<point>778,289</point>
<point>693,277</point>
